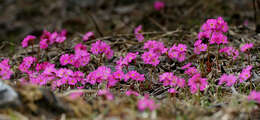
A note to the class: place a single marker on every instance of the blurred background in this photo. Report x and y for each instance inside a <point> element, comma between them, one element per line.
<point>19,18</point>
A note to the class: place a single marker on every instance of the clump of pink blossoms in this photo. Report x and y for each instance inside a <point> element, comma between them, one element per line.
<point>178,52</point>
<point>158,5</point>
<point>255,96</point>
<point>101,74</point>
<point>151,58</point>
<point>228,79</point>
<point>26,64</point>
<point>200,47</point>
<point>139,36</point>
<point>134,75</point>
<point>101,47</point>
<point>246,47</point>
<point>155,47</point>
<point>197,83</point>
<point>169,79</point>
<point>190,70</point>
<point>80,58</point>
<point>87,36</point>
<point>125,61</point>
<point>26,41</point>
<point>5,70</point>
<point>230,51</point>
<point>245,74</point>
<point>48,38</point>
<point>146,103</point>
<point>212,30</point>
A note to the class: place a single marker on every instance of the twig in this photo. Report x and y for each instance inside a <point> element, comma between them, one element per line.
<point>157,24</point>
<point>96,25</point>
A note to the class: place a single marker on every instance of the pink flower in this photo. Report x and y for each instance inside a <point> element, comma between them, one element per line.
<point>212,23</point>
<point>139,36</point>
<point>172,91</point>
<point>245,74</point>
<point>101,74</point>
<point>61,36</point>
<point>218,38</point>
<point>80,47</point>
<point>87,36</point>
<point>228,79</point>
<point>108,95</point>
<point>230,51</point>
<point>43,44</point>
<point>150,58</point>
<point>246,47</point>
<point>197,83</point>
<point>158,5</point>
<point>26,64</point>
<point>119,74</point>
<point>5,70</point>
<point>178,52</point>
<point>191,71</point>
<point>255,96</point>
<point>166,78</point>
<point>65,59</point>
<point>131,92</point>
<point>199,47</point>
<point>27,39</point>
<point>102,48</point>
<point>169,79</point>
<point>221,25</point>
<point>134,75</point>
<point>146,103</point>
<point>72,81</point>
<point>130,57</point>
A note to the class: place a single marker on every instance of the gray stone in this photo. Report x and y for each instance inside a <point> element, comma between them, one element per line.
<point>8,97</point>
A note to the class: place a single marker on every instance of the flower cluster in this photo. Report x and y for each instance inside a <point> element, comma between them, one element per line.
<point>150,58</point>
<point>87,36</point>
<point>146,103</point>
<point>230,51</point>
<point>200,47</point>
<point>158,5</point>
<point>134,75</point>
<point>27,64</point>
<point>197,83</point>
<point>212,30</point>
<point>245,74</point>
<point>178,52</point>
<point>5,70</point>
<point>48,38</point>
<point>101,74</point>
<point>125,61</point>
<point>27,40</point>
<point>254,96</point>
<point>190,70</point>
<point>246,47</point>
<point>100,47</point>
<point>169,79</point>
<point>80,58</point>
<point>139,36</point>
<point>228,79</point>
<point>156,47</point>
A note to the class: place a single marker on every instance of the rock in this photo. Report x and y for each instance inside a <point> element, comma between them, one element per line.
<point>8,97</point>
